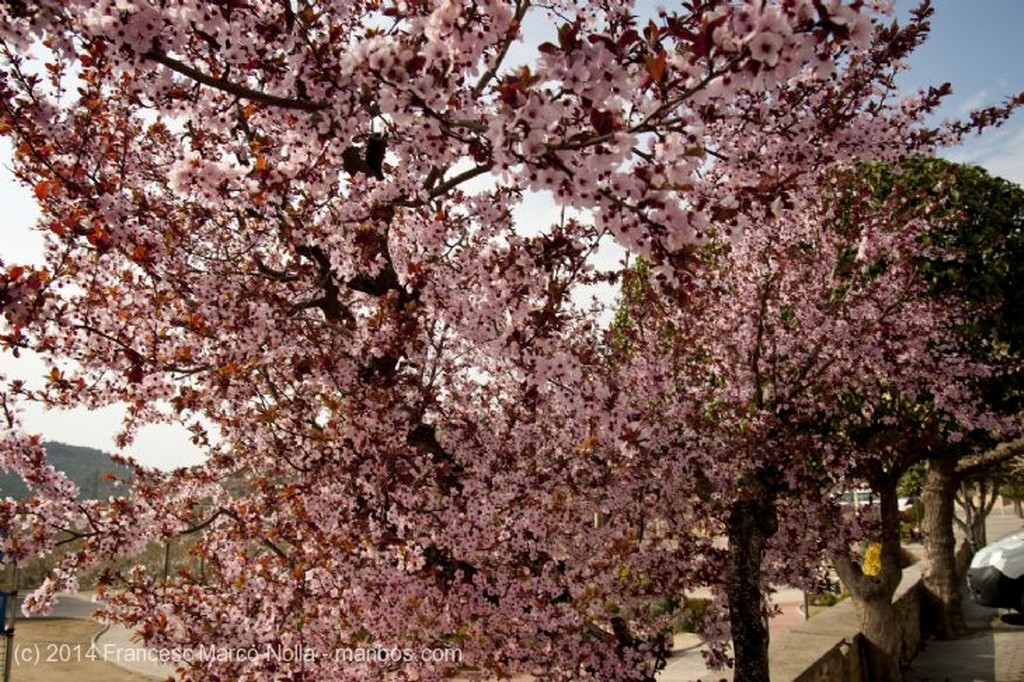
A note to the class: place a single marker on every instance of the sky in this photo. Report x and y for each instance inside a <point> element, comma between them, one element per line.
<point>975,45</point>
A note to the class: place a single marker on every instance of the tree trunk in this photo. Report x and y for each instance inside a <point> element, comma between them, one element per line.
<point>978,533</point>
<point>941,583</point>
<point>1017,509</point>
<point>989,494</point>
<point>881,637</point>
<point>872,595</point>
<point>976,504</point>
<point>752,521</point>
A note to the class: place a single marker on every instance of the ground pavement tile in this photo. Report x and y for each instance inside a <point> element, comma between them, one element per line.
<point>1009,649</point>
<point>993,651</point>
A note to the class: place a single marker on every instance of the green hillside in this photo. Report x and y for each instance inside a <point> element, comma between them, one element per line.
<point>86,467</point>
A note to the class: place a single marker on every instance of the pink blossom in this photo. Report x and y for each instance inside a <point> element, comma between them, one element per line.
<point>303,234</point>
<point>765,47</point>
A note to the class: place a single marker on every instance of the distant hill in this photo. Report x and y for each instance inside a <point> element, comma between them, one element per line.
<point>86,467</point>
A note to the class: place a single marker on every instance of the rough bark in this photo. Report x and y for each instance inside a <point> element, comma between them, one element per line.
<point>881,637</point>
<point>752,521</point>
<point>872,594</point>
<point>979,534</point>
<point>987,461</point>
<point>989,495</point>
<point>940,580</point>
<point>977,501</point>
<point>1018,509</point>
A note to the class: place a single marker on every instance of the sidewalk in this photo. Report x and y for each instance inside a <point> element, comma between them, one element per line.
<point>993,651</point>
<point>687,661</point>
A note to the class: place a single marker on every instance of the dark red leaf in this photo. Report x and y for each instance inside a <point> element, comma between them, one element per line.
<point>603,121</point>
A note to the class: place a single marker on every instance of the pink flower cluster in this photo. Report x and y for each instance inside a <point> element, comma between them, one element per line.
<point>289,228</point>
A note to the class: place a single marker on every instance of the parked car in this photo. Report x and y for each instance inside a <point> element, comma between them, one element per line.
<point>858,498</point>
<point>865,496</point>
<point>996,576</point>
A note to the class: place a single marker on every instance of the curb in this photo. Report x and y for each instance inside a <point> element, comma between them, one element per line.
<point>94,644</point>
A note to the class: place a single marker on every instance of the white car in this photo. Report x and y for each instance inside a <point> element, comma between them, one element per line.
<point>996,576</point>
<point>864,496</point>
<point>856,498</point>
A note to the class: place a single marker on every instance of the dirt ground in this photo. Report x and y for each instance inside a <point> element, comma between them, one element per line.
<point>58,649</point>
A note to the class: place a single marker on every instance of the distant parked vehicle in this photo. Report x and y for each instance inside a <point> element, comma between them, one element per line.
<point>864,496</point>
<point>996,576</point>
<point>856,498</point>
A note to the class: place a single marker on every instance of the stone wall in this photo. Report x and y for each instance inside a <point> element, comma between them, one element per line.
<point>907,604</point>
<point>829,647</point>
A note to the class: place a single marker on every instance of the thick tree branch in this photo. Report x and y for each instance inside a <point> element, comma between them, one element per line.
<point>459,179</point>
<point>424,438</point>
<point>386,280</point>
<point>1000,454</point>
<point>331,306</point>
<point>276,275</point>
<point>233,88</point>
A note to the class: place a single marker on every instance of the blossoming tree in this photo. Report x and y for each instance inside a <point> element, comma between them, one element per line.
<point>291,227</point>
<point>813,354</point>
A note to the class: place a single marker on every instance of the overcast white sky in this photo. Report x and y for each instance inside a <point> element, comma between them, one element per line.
<point>975,45</point>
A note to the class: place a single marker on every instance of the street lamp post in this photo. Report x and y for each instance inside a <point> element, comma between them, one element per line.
<point>10,606</point>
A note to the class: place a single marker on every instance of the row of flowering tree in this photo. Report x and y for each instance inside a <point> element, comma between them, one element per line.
<point>290,227</point>
<point>812,357</point>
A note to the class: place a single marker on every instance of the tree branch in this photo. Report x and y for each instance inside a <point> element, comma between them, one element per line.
<point>488,75</point>
<point>1000,454</point>
<point>232,88</point>
<point>459,179</point>
<point>204,524</point>
<point>331,306</point>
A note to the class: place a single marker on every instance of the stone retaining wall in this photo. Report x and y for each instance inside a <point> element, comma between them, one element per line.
<point>829,647</point>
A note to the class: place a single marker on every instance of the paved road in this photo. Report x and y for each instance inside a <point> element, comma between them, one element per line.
<point>115,644</point>
<point>68,606</point>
